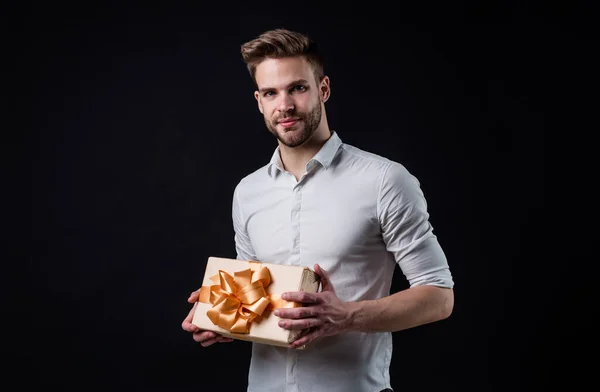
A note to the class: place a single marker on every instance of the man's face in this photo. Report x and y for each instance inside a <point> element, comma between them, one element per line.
<point>289,99</point>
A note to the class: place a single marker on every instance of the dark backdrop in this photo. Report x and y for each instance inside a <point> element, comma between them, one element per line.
<point>141,121</point>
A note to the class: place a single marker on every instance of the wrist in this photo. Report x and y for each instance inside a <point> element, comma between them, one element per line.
<point>354,320</point>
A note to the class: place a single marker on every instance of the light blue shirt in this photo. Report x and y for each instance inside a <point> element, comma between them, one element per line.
<point>358,215</point>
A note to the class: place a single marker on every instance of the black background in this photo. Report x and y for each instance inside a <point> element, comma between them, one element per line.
<point>140,121</point>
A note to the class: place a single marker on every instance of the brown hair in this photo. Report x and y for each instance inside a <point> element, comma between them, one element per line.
<point>281,43</point>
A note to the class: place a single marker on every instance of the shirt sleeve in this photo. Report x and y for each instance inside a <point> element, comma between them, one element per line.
<point>407,232</point>
<point>243,245</point>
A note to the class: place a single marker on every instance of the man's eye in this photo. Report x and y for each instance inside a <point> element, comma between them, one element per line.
<point>269,94</point>
<point>299,88</point>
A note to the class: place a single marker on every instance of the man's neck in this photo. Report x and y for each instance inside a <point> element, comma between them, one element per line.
<point>295,159</point>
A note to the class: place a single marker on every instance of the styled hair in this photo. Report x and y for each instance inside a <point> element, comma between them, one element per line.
<point>280,43</point>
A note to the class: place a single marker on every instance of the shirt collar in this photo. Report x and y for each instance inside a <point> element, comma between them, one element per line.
<point>324,156</point>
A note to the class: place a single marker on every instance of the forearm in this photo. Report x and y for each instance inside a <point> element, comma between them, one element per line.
<point>402,310</point>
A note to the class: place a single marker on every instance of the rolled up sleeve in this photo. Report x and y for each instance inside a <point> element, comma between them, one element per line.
<point>407,232</point>
<point>243,245</point>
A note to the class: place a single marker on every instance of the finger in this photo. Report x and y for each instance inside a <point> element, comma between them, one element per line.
<point>306,339</point>
<point>187,323</point>
<point>300,324</point>
<point>194,296</point>
<point>216,339</point>
<point>203,336</point>
<point>301,296</point>
<point>208,342</point>
<point>296,313</point>
<point>324,276</point>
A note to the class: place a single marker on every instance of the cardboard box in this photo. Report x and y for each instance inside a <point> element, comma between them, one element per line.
<point>238,297</point>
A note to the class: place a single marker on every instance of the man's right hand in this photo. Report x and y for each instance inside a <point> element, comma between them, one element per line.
<point>205,338</point>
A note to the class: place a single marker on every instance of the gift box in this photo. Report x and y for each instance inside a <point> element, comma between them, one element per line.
<point>238,297</point>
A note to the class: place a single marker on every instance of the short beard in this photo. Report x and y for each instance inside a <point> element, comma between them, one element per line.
<point>310,123</point>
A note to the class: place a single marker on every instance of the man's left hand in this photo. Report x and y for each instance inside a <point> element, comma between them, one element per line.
<point>322,314</point>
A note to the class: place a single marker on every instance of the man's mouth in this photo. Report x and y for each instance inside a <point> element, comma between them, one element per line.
<point>288,122</point>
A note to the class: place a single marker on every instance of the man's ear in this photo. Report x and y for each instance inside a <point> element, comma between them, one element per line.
<point>325,89</point>
<point>257,97</point>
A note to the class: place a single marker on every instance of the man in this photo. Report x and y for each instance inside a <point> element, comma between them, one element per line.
<point>349,214</point>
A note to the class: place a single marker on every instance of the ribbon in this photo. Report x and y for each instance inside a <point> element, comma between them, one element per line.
<point>240,299</point>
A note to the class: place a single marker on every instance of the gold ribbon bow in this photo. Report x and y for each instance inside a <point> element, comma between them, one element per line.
<point>239,299</point>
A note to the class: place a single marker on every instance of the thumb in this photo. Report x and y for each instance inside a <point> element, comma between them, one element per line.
<point>326,284</point>
<point>194,296</point>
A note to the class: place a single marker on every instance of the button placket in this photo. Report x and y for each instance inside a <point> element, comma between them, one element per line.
<point>295,224</point>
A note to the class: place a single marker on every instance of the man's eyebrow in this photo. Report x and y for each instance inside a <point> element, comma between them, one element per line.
<point>294,83</point>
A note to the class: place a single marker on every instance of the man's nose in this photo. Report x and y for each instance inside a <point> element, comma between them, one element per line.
<point>286,103</point>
